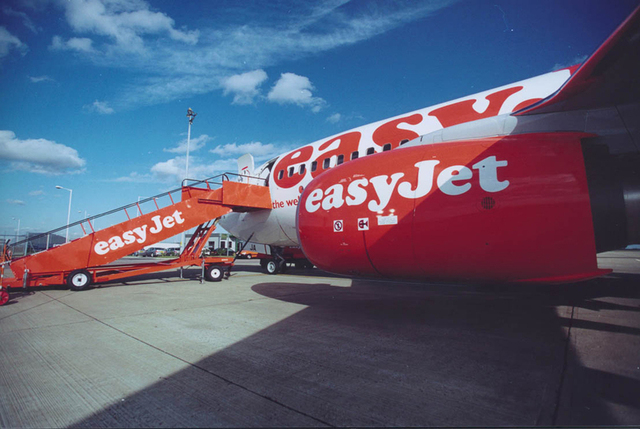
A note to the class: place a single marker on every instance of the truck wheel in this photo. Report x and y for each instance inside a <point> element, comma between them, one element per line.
<point>79,280</point>
<point>214,273</point>
<point>272,267</point>
<point>4,296</point>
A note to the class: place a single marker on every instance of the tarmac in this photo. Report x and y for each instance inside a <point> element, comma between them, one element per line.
<point>308,348</point>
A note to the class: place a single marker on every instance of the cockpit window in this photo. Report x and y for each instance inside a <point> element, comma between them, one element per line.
<point>303,167</point>
<point>340,159</point>
<point>280,174</point>
<point>314,165</point>
<point>325,163</point>
<point>386,147</point>
<point>371,151</point>
<point>354,155</point>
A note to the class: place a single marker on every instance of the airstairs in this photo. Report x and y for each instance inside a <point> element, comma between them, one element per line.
<point>92,258</point>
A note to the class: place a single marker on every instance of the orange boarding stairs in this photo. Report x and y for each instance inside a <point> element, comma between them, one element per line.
<point>85,260</point>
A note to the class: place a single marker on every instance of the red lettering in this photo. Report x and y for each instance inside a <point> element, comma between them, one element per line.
<point>348,144</point>
<point>296,157</point>
<point>390,133</point>
<point>463,111</point>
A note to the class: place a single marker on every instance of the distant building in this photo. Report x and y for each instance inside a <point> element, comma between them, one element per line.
<point>219,241</point>
<point>38,244</point>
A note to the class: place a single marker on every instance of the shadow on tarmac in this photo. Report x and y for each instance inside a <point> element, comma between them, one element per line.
<point>402,354</point>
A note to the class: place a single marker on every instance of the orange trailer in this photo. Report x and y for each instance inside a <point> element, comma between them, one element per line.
<point>89,259</point>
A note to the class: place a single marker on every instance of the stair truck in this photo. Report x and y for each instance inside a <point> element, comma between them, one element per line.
<point>91,258</point>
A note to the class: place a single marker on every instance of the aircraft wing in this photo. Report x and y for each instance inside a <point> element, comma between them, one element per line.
<point>611,76</point>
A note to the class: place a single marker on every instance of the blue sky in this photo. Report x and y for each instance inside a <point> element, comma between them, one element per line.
<point>94,93</point>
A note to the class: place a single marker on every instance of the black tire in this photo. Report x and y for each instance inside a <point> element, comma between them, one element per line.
<point>272,267</point>
<point>214,273</point>
<point>79,280</point>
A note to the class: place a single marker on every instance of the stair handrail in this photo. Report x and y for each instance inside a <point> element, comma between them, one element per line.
<point>223,177</point>
<point>211,180</point>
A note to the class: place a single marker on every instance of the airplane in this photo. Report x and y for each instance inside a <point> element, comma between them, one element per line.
<point>522,183</point>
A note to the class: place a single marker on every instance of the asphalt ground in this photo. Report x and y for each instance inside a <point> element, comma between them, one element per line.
<point>310,349</point>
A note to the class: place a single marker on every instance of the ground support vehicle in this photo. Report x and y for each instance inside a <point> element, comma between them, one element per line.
<point>281,257</point>
<point>89,259</point>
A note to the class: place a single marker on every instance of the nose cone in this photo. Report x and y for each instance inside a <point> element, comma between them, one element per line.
<point>350,210</point>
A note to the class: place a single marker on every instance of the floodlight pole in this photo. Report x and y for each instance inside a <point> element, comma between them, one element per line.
<point>186,172</point>
<point>191,115</point>
<point>68,211</point>
<point>18,230</point>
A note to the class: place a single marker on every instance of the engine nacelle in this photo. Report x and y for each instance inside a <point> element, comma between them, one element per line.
<point>512,208</point>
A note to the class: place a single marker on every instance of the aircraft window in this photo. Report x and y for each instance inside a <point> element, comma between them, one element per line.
<point>280,174</point>
<point>386,147</point>
<point>303,167</point>
<point>325,163</point>
<point>404,142</point>
<point>340,159</point>
<point>371,151</point>
<point>354,155</point>
<point>314,165</point>
<point>290,171</point>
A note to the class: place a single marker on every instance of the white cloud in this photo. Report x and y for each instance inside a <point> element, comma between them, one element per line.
<point>39,155</point>
<point>38,79</point>
<point>194,144</point>
<point>335,118</point>
<point>134,177</point>
<point>294,89</point>
<point>78,44</point>
<point>173,170</point>
<point>26,21</point>
<point>36,193</point>
<point>244,86</point>
<point>81,44</point>
<point>257,149</point>
<point>8,42</point>
<point>125,22</point>
<point>100,107</point>
<point>16,202</point>
<point>175,64</point>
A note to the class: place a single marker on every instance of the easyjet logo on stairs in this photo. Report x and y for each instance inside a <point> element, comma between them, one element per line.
<point>138,234</point>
